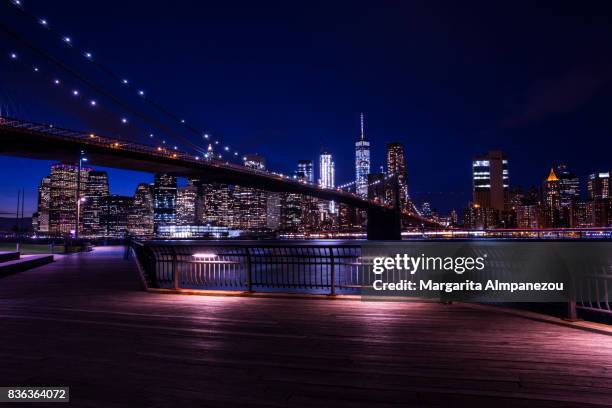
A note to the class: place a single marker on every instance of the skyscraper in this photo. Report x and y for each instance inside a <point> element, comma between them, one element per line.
<point>327,175</point>
<point>215,205</point>
<point>490,180</point>
<point>362,163</point>
<point>250,203</point>
<point>114,218</point>
<point>63,197</point>
<point>140,217</point>
<point>569,193</point>
<point>44,199</point>
<point>396,166</point>
<point>186,205</point>
<point>552,200</point>
<point>96,190</point>
<point>304,171</point>
<point>600,203</point>
<point>598,185</point>
<point>164,200</point>
<point>569,186</point>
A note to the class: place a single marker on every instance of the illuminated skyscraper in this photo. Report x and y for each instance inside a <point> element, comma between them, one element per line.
<point>216,205</point>
<point>114,218</point>
<point>552,200</point>
<point>304,171</point>
<point>599,185</point>
<point>362,163</point>
<point>600,203</point>
<point>63,198</point>
<point>96,190</point>
<point>140,217</point>
<point>291,212</point>
<point>327,175</point>
<point>569,186</point>
<point>569,193</point>
<point>42,215</point>
<point>396,166</point>
<point>186,205</point>
<point>164,200</point>
<point>250,203</point>
<point>490,181</point>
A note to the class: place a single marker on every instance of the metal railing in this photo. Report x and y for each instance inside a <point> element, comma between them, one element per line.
<point>264,267</point>
<point>336,267</point>
<point>592,293</point>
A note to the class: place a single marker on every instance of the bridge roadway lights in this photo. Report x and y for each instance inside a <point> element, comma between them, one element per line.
<point>384,224</point>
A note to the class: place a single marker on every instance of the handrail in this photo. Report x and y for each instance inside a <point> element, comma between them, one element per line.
<point>331,267</point>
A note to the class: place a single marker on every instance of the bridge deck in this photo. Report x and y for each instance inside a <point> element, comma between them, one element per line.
<point>82,321</point>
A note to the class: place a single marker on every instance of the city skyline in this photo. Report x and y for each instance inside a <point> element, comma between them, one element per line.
<point>522,113</point>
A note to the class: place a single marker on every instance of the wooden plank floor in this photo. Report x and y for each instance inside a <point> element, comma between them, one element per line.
<point>84,322</point>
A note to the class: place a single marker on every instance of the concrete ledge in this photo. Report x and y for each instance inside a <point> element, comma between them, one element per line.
<point>6,256</point>
<point>24,263</point>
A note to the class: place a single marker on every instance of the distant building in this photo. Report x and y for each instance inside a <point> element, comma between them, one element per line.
<point>327,175</point>
<point>251,204</point>
<point>476,217</point>
<point>273,211</point>
<point>291,212</point>
<point>216,205</point>
<point>454,218</point>
<point>326,170</point>
<point>254,161</point>
<point>42,213</point>
<point>551,203</point>
<point>569,186</point>
<point>164,200</point>
<point>115,215</point>
<point>140,217</point>
<point>96,191</point>
<point>601,212</point>
<point>196,231</point>
<point>528,216</point>
<point>426,209</point>
<point>598,185</point>
<point>376,187</point>
<point>581,215</point>
<point>362,163</point>
<point>569,193</point>
<point>490,181</point>
<point>396,169</point>
<point>347,218</point>
<point>305,171</point>
<point>186,203</point>
<point>63,198</point>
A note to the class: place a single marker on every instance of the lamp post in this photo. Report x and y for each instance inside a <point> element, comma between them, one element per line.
<point>82,159</point>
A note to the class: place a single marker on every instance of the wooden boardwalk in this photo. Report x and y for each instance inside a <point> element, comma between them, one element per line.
<point>84,322</point>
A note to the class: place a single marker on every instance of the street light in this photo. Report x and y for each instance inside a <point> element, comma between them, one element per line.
<point>82,159</point>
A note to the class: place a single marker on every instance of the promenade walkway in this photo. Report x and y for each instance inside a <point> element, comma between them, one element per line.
<point>85,322</point>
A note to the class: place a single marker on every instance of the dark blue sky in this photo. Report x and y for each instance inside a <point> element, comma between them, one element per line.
<point>449,79</point>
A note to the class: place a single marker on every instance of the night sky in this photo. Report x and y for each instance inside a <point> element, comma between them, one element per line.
<point>448,79</point>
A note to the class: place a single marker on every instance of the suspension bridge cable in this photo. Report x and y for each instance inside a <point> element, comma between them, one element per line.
<point>111,73</point>
<point>137,113</point>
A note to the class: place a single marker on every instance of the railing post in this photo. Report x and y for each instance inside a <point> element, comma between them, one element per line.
<point>572,315</point>
<point>175,270</point>
<point>332,265</point>
<point>249,272</point>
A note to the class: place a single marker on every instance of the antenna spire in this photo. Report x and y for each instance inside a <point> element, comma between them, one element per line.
<point>362,133</point>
